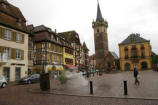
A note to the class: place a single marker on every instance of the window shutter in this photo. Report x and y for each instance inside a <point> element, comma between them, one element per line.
<point>2,33</point>
<point>22,54</point>
<point>14,36</point>
<point>13,53</point>
<point>1,49</point>
<point>23,37</point>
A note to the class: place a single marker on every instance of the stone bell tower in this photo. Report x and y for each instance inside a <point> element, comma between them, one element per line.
<point>101,40</point>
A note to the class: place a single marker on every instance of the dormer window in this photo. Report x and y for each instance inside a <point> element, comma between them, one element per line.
<point>133,38</point>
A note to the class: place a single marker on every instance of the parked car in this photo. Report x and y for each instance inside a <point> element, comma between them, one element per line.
<point>34,78</point>
<point>3,82</point>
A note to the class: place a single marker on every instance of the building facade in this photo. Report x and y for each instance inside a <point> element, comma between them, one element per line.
<point>48,52</point>
<point>30,50</point>
<point>92,62</point>
<point>68,54</point>
<point>101,42</point>
<point>85,58</point>
<point>73,37</point>
<point>135,51</point>
<point>13,42</point>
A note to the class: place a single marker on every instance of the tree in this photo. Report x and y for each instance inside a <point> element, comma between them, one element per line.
<point>155,61</point>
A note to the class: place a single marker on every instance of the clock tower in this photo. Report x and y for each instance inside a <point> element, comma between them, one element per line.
<point>101,40</point>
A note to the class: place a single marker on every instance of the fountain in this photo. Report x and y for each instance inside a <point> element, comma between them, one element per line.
<point>75,83</point>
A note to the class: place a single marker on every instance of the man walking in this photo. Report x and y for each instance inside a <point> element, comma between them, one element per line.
<point>136,76</point>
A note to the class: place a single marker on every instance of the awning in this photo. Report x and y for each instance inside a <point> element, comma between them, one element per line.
<point>59,68</point>
<point>71,66</point>
<point>36,68</point>
<point>55,67</point>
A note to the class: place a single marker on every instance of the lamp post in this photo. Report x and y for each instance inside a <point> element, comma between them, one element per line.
<point>43,71</point>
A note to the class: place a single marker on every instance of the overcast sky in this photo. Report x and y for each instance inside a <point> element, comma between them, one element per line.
<point>124,17</point>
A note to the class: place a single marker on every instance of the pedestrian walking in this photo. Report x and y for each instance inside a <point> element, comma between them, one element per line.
<point>136,73</point>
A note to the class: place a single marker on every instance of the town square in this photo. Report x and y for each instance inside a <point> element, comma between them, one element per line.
<point>78,53</point>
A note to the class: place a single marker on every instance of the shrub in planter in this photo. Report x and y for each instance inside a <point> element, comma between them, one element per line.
<point>62,77</point>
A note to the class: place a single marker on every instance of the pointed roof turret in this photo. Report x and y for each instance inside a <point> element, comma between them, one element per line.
<point>85,46</point>
<point>99,14</point>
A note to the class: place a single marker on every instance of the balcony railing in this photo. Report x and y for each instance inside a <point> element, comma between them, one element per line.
<point>3,58</point>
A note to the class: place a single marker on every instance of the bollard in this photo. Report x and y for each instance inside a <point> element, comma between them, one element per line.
<point>125,88</point>
<point>87,75</point>
<point>91,87</point>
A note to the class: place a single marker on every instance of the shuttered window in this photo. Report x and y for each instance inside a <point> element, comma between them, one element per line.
<point>7,34</point>
<point>7,52</point>
<point>18,54</point>
<point>18,37</point>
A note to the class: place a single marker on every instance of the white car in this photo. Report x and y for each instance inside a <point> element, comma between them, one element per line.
<point>3,82</point>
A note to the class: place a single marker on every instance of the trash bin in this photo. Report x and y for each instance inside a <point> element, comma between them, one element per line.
<point>45,82</point>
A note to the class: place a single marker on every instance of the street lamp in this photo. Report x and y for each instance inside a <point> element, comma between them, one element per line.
<point>43,56</point>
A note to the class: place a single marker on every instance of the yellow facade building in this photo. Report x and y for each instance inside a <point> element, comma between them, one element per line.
<point>135,51</point>
<point>68,57</point>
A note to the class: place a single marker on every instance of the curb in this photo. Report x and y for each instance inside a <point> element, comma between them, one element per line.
<point>94,96</point>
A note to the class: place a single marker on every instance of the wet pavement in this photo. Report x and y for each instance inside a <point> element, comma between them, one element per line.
<point>111,85</point>
<point>105,85</point>
<point>19,95</point>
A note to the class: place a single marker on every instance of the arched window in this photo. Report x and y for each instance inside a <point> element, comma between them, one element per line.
<point>144,65</point>
<point>127,66</point>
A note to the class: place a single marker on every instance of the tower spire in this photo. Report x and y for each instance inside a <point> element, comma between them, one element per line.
<point>99,14</point>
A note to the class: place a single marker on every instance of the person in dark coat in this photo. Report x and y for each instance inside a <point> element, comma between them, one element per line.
<point>136,76</point>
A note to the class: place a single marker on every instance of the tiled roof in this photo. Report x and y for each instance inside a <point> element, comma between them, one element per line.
<point>11,16</point>
<point>137,39</point>
<point>114,55</point>
<point>99,15</point>
<point>41,28</point>
<point>40,33</point>
<point>71,36</point>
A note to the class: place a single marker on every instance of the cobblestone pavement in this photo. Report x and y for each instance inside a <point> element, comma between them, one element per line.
<point>19,95</point>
